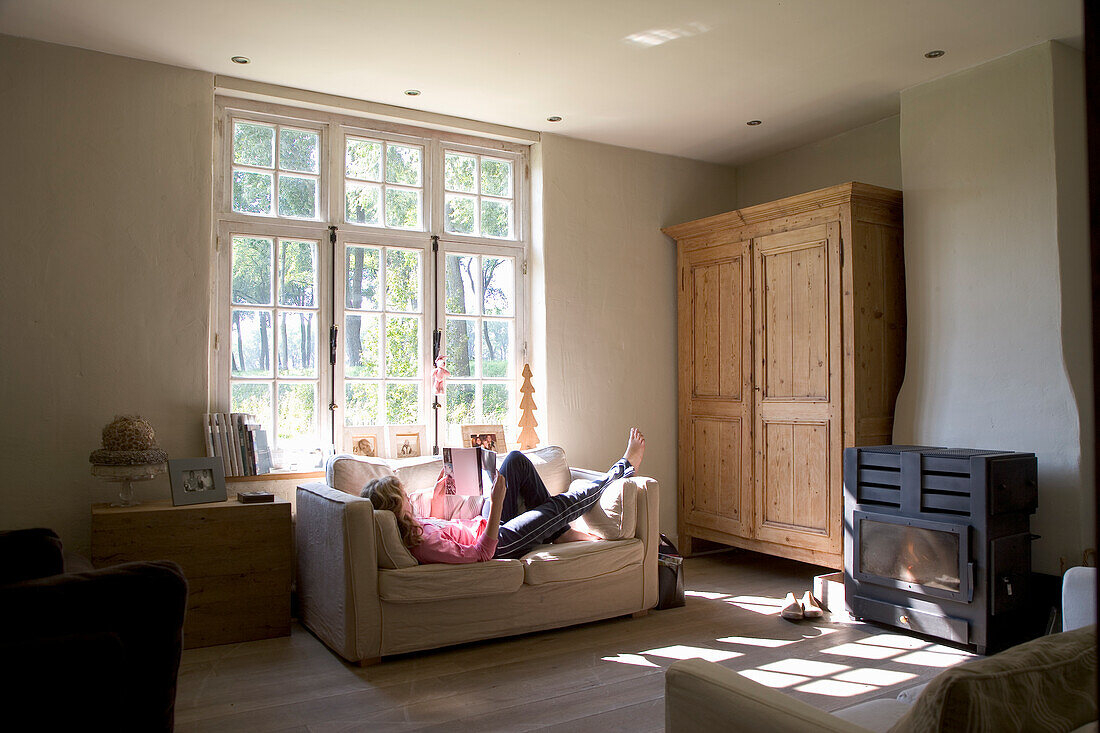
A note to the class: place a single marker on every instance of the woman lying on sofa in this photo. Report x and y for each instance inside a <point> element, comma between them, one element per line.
<point>520,515</point>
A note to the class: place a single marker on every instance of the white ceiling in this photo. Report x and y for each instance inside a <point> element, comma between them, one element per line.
<point>807,68</point>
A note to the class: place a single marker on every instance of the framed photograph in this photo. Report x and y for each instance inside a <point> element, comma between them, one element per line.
<point>490,437</point>
<point>408,441</point>
<point>196,480</point>
<point>368,441</point>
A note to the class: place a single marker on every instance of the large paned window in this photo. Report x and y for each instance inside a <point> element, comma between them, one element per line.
<point>330,283</point>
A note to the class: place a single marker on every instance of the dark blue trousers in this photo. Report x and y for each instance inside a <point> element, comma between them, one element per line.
<point>531,516</point>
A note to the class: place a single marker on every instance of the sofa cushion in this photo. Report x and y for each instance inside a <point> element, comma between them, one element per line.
<point>351,473</point>
<point>392,553</point>
<point>579,560</point>
<point>615,516</point>
<point>1048,684</point>
<point>418,474</point>
<point>552,468</point>
<point>440,582</point>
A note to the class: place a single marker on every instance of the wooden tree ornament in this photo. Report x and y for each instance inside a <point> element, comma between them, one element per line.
<point>528,438</point>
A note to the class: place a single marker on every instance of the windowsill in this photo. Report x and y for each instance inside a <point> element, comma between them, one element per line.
<point>277,476</point>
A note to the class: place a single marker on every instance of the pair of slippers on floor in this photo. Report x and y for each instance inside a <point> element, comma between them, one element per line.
<point>796,610</point>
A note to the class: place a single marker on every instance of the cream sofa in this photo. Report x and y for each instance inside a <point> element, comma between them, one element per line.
<point>363,595</point>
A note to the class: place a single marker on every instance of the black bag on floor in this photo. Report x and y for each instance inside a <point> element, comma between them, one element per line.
<point>670,575</point>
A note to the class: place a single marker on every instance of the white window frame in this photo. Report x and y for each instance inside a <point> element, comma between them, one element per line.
<point>333,128</point>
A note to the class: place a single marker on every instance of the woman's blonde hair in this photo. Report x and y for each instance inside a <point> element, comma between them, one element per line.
<point>388,494</point>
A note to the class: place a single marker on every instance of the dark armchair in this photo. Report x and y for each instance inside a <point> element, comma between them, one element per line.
<point>82,648</point>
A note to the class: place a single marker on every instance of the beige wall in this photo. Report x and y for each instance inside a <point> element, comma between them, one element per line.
<point>869,154</point>
<point>609,292</point>
<point>105,204</point>
<point>989,235</point>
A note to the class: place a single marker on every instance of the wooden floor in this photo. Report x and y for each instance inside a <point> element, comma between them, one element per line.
<point>603,676</point>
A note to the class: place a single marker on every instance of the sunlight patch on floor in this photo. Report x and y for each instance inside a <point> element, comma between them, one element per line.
<point>804,667</point>
<point>758,604</point>
<point>876,677</point>
<point>710,596</point>
<point>835,688</point>
<point>752,641</point>
<point>864,651</point>
<point>775,680</point>
<point>635,659</point>
<point>682,651</point>
<point>933,659</point>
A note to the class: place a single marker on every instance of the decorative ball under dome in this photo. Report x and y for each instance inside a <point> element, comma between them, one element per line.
<point>129,432</point>
<point>128,440</point>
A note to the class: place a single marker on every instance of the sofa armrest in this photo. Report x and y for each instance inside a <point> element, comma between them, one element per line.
<point>338,570</point>
<point>123,623</point>
<point>702,696</point>
<point>26,554</point>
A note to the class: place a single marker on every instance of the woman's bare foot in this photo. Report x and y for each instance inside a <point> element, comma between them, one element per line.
<point>635,448</point>
<point>575,535</point>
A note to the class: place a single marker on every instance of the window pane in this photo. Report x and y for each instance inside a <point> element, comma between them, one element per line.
<point>361,357</point>
<point>361,290</point>
<point>403,280</point>
<point>297,344</point>
<point>461,347</point>
<point>297,420</point>
<point>252,192</point>
<point>494,403</point>
<point>402,208</point>
<point>297,273</point>
<point>496,177</point>
<point>250,343</point>
<point>363,204</point>
<point>496,348</point>
<point>253,144</point>
<point>460,214</point>
<point>254,399</point>
<point>361,403</point>
<point>402,347</point>
<point>402,165</point>
<point>251,271</point>
<point>297,197</point>
<point>460,404</point>
<point>298,150</point>
<point>499,283</point>
<point>496,219</point>
<point>363,160</point>
<point>402,403</point>
<point>460,172</point>
<point>462,275</point>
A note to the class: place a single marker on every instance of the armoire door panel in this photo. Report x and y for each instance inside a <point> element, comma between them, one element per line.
<point>795,476</point>
<point>795,321</point>
<point>716,498</point>
<point>716,336</point>
<point>797,411</point>
<point>715,389</point>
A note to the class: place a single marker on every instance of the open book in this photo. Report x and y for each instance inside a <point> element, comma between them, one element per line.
<point>470,471</point>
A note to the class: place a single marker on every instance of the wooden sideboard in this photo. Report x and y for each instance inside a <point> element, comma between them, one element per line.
<point>237,559</point>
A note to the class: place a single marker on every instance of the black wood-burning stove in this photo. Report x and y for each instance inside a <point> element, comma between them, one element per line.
<point>938,540</point>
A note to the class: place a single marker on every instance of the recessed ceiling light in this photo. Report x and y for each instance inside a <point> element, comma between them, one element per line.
<point>553,118</point>
<point>241,60</point>
<point>754,123</point>
<point>412,92</point>
<point>934,54</point>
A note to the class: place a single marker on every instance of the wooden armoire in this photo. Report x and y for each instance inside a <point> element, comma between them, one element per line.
<point>791,348</point>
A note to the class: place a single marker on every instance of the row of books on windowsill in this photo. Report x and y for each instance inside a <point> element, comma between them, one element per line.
<point>239,441</point>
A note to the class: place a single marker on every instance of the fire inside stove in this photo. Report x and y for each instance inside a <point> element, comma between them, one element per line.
<point>924,557</point>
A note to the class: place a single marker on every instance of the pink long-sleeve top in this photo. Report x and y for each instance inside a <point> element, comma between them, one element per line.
<point>454,541</point>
